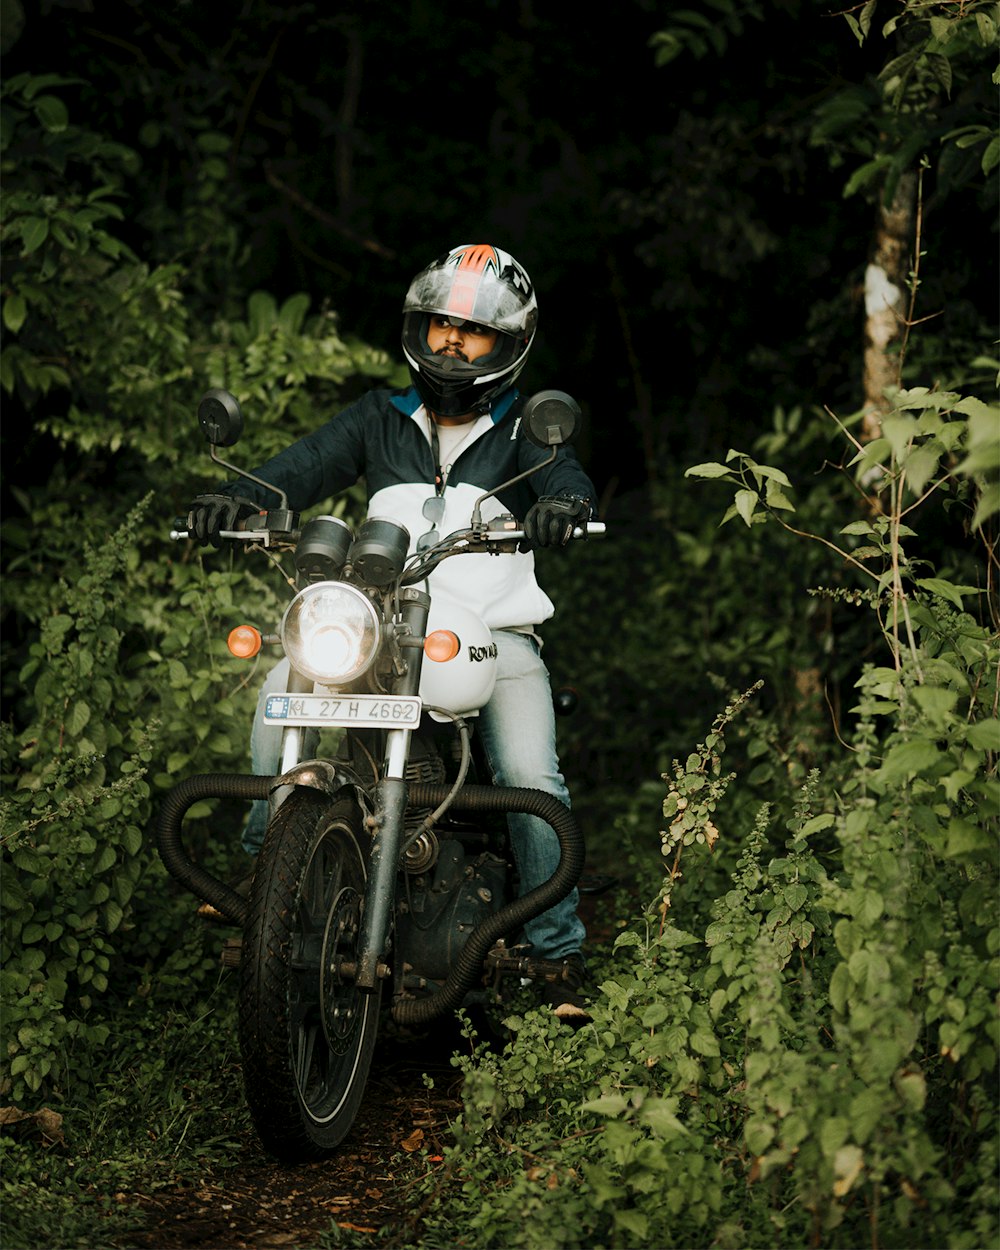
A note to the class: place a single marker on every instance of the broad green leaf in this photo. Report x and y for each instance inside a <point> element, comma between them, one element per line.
<point>105,859</point>
<point>898,430</point>
<point>988,506</point>
<point>965,838</point>
<point>758,1134</point>
<point>906,759</point>
<point>654,1014</point>
<point>746,502</point>
<point>775,475</point>
<point>875,452</point>
<point>833,1132</point>
<point>132,840</point>
<point>213,141</point>
<point>34,233</point>
<point>112,915</point>
<point>795,895</point>
<point>28,860</point>
<point>262,311</point>
<point>78,717</point>
<point>704,1043</point>
<point>816,823</point>
<point>660,1115</point>
<point>708,470</point>
<point>776,498</point>
<point>947,590</point>
<point>51,112</point>
<point>985,735</point>
<point>612,1105</point>
<point>633,1222</point>
<point>913,1088</point>
<point>935,701</point>
<point>868,908</point>
<point>15,309</point>
<point>292,313</point>
<point>840,987</point>
<point>920,465</point>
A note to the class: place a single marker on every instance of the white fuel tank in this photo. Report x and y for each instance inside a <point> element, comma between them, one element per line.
<point>462,680</point>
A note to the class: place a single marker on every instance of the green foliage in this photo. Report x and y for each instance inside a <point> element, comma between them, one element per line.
<point>162,1112</point>
<point>795,1040</point>
<point>825,1035</point>
<point>702,34</point>
<point>118,676</point>
<point>938,59</point>
<point>72,823</point>
<point>808,1053</point>
<point>105,347</point>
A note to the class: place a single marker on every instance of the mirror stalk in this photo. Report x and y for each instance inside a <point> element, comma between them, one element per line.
<point>213,452</point>
<point>477,521</point>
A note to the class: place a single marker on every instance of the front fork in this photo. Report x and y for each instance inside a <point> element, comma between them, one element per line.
<point>390,803</point>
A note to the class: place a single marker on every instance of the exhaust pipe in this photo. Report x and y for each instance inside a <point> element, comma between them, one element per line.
<point>468,970</point>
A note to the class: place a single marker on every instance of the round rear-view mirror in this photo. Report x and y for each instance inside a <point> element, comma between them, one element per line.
<point>220,417</point>
<point>551,418</point>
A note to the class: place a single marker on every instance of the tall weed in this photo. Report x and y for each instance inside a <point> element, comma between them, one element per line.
<point>808,1054</point>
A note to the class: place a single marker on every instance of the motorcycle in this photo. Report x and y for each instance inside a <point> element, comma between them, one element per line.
<point>385,882</point>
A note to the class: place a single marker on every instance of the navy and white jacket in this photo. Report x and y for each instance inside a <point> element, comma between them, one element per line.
<point>384,437</point>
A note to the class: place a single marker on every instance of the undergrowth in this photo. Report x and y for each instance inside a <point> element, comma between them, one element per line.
<point>165,1111</point>
<point>806,1053</point>
<point>810,1059</point>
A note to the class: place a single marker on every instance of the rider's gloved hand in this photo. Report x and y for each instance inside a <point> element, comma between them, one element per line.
<point>550,522</point>
<point>208,515</point>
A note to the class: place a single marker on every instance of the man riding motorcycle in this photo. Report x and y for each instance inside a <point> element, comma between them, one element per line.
<point>427,454</point>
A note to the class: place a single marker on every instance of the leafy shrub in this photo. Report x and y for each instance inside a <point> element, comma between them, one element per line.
<point>117,677</point>
<point>809,1054</point>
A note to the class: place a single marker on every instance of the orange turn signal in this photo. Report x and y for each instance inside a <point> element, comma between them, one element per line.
<point>244,642</point>
<point>441,645</point>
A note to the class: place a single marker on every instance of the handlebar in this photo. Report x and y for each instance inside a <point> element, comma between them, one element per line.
<point>261,536</point>
<point>591,529</point>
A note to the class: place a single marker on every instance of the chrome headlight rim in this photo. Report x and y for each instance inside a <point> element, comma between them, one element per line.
<point>337,611</point>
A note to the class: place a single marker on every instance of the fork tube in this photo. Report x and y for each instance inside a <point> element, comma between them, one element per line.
<point>390,805</point>
<point>292,741</point>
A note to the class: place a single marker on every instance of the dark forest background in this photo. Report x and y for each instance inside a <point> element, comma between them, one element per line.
<point>786,647</point>
<point>686,223</point>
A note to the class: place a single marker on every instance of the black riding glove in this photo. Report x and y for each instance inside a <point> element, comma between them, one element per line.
<point>208,515</point>
<point>550,522</point>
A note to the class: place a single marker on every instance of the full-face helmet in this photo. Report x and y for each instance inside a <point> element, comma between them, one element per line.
<point>483,285</point>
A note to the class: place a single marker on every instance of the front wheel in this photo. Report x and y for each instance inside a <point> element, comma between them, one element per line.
<point>306,1032</point>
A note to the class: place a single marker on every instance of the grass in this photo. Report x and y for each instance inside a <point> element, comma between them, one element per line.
<point>168,1108</point>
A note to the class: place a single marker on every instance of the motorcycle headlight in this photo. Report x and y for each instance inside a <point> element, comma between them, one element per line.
<point>330,632</point>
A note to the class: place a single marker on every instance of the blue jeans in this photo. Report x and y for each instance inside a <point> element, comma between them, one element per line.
<point>518,732</point>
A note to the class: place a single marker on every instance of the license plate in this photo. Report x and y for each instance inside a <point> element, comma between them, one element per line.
<point>363,711</point>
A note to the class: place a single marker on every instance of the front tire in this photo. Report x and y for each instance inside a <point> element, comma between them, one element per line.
<point>306,1032</point>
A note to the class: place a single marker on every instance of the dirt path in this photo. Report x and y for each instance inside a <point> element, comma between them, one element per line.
<point>260,1204</point>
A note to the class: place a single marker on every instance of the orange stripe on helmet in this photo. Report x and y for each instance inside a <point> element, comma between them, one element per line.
<point>473,263</point>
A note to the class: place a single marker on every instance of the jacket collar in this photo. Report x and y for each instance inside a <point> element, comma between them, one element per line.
<point>407,402</point>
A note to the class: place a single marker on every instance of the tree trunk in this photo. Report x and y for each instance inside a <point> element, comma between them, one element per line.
<point>885,289</point>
